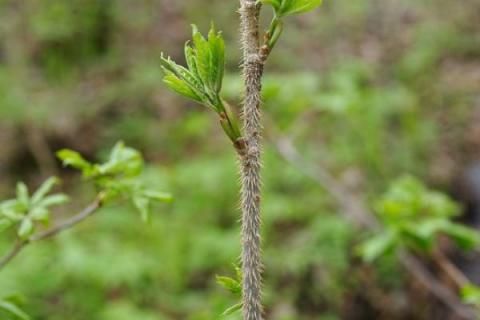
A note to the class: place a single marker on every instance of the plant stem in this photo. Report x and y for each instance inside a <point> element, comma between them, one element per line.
<point>67,224</point>
<point>253,62</point>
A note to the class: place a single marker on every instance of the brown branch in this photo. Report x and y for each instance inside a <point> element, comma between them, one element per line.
<point>354,210</point>
<point>451,270</point>
<point>67,224</point>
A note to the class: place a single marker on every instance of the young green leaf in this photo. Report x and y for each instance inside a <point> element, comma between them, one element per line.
<point>73,159</point>
<point>202,81</point>
<point>158,196</point>
<point>471,294</point>
<point>22,194</point>
<point>232,285</point>
<point>40,214</point>
<point>290,7</point>
<point>53,200</point>
<point>232,309</point>
<point>13,310</point>
<point>180,86</point>
<point>44,189</point>
<point>123,160</point>
<point>26,228</point>
<point>217,49</point>
<point>373,248</point>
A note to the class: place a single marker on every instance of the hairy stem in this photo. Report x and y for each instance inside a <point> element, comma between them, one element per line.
<point>253,61</point>
<point>67,224</point>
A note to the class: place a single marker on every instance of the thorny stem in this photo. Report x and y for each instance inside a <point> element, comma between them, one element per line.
<point>67,224</point>
<point>253,60</point>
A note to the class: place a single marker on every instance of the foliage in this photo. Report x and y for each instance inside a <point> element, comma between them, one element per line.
<point>385,102</point>
<point>235,287</point>
<point>202,81</point>
<point>25,210</point>
<point>414,216</point>
<point>471,294</point>
<point>118,176</point>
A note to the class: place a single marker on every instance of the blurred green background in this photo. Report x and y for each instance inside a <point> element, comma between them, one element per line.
<point>370,90</point>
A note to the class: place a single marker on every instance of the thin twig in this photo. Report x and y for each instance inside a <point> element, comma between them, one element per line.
<point>67,224</point>
<point>451,270</point>
<point>354,210</point>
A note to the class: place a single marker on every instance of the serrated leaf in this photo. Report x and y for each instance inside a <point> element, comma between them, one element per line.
<point>217,62</point>
<point>232,309</point>
<point>44,189</point>
<point>189,77</point>
<point>180,86</point>
<point>26,228</point>
<point>13,310</point>
<point>73,159</point>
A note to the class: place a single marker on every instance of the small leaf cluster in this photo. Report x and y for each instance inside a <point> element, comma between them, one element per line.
<point>118,177</point>
<point>234,286</point>
<point>413,217</point>
<point>25,210</point>
<point>202,80</point>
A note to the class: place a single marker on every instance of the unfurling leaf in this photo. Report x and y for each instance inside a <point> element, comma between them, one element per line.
<point>202,81</point>
<point>180,86</point>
